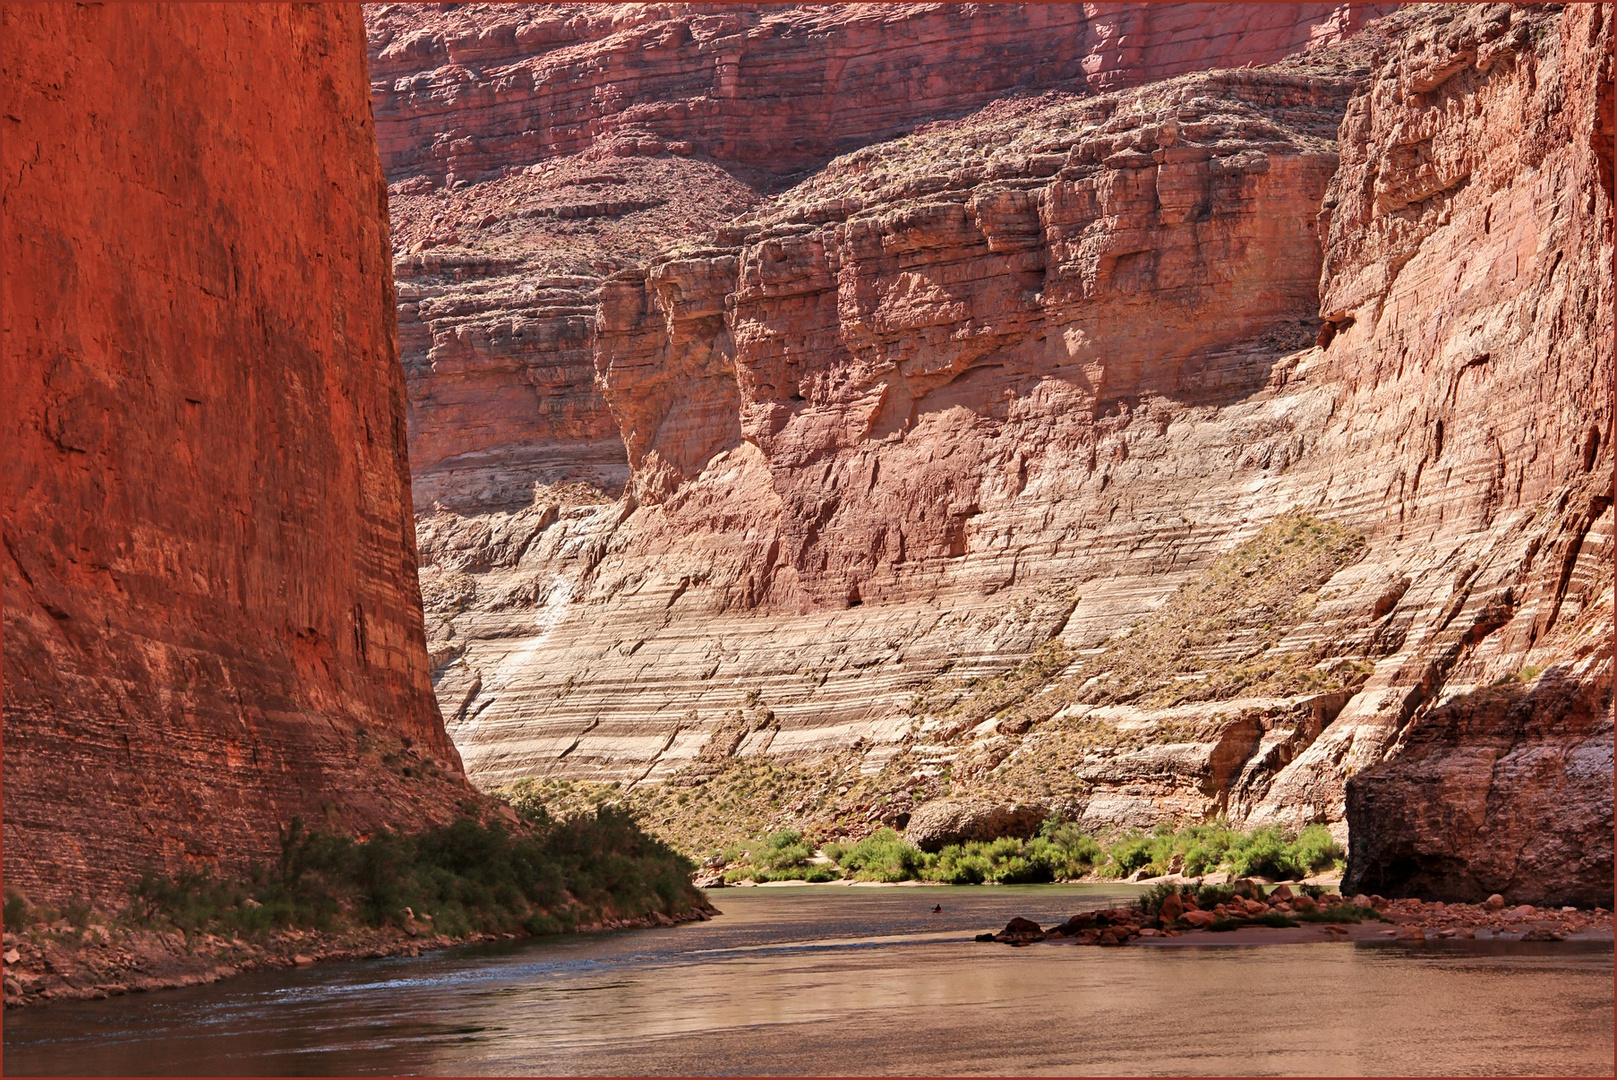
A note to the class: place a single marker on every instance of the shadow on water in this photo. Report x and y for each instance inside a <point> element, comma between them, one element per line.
<point>833,980</point>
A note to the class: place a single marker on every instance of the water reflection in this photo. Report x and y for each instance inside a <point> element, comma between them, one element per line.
<point>833,980</point>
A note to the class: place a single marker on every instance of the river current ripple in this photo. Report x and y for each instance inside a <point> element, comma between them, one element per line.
<point>830,980</point>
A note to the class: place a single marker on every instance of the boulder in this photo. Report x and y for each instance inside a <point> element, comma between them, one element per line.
<point>1020,931</point>
<point>1494,902</point>
<point>1200,920</point>
<point>1172,907</point>
<point>937,824</point>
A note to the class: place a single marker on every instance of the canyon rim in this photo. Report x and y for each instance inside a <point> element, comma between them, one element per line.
<point>929,396</point>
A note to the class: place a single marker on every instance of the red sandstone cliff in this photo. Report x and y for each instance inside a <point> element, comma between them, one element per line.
<point>480,90</point>
<point>534,151</point>
<point>1015,378</point>
<point>1470,250</point>
<point>212,618</point>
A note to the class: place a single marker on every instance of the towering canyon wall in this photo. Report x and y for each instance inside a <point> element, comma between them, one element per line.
<point>533,152</point>
<point>212,617</point>
<point>1236,443</point>
<point>770,90</point>
<point>1470,248</point>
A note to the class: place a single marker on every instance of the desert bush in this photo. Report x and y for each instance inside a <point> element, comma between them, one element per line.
<point>16,914</point>
<point>1315,849</point>
<point>881,856</point>
<point>463,877</point>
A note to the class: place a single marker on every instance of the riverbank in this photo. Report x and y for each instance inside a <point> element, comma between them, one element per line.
<point>502,876</point>
<point>1243,914</point>
<point>62,962</point>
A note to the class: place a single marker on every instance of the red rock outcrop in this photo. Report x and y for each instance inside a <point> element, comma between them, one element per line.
<point>1014,378</point>
<point>534,151</point>
<point>479,90</point>
<point>212,616</point>
<point>1470,251</point>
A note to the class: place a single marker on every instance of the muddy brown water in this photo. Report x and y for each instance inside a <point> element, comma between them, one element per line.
<point>831,980</point>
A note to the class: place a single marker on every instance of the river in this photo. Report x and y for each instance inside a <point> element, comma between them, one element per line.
<point>829,980</point>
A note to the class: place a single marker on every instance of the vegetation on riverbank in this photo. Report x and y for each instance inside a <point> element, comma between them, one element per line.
<point>1059,852</point>
<point>540,875</point>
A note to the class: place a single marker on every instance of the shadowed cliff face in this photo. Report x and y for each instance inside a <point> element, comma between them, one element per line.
<point>212,617</point>
<point>1041,377</point>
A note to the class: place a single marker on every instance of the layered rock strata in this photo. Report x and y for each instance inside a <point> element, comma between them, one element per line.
<point>532,152</point>
<point>1471,250</point>
<point>893,476</point>
<point>212,616</point>
<point>1008,383</point>
<point>771,90</point>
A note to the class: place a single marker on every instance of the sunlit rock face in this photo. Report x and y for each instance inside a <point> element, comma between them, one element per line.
<point>212,616</point>
<point>786,469</point>
<point>1471,245</point>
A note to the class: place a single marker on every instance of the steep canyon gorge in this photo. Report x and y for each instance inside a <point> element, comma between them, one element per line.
<point>1146,412</point>
<point>1142,412</point>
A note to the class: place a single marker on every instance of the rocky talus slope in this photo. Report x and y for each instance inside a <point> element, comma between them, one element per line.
<point>1238,443</point>
<point>212,616</point>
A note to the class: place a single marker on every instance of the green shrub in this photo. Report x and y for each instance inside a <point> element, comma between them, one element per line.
<point>16,914</point>
<point>1130,853</point>
<point>956,866</point>
<point>1315,849</point>
<point>1210,896</point>
<point>1060,851</point>
<point>1264,852</point>
<point>1081,848</point>
<point>1151,900</point>
<point>780,856</point>
<point>1337,913</point>
<point>1271,853</point>
<point>882,856</point>
<point>463,877</point>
